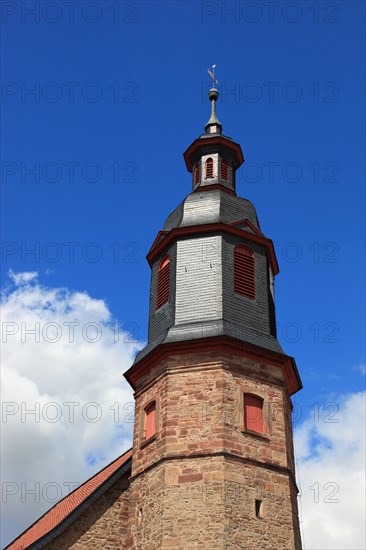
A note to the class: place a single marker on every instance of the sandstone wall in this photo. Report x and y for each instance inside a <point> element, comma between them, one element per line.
<point>195,485</point>
<point>102,526</point>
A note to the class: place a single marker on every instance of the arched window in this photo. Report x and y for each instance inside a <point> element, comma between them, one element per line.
<point>259,509</point>
<point>253,413</point>
<point>196,174</point>
<point>150,420</point>
<point>224,170</point>
<point>162,293</point>
<point>244,272</point>
<point>209,168</point>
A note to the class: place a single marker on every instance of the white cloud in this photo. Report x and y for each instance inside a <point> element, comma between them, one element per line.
<point>62,358</point>
<point>330,449</point>
<point>24,277</point>
<point>38,371</point>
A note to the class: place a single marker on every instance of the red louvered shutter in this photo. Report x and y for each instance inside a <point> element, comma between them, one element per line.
<point>162,293</point>
<point>244,272</point>
<point>224,170</point>
<point>253,413</point>
<point>209,168</point>
<point>196,173</point>
<point>150,420</point>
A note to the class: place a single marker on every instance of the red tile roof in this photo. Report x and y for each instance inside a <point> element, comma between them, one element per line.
<point>66,506</point>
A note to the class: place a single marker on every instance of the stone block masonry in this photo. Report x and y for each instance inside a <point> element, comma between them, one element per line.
<point>205,481</point>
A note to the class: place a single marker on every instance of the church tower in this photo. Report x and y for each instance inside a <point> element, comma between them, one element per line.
<point>212,459</point>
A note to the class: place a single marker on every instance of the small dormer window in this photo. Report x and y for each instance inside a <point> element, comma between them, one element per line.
<point>209,168</point>
<point>224,170</point>
<point>196,173</point>
<point>162,292</point>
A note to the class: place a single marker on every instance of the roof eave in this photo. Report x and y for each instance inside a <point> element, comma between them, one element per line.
<point>200,143</point>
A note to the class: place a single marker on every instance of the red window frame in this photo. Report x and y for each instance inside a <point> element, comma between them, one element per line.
<point>150,420</point>
<point>196,175</point>
<point>209,169</point>
<point>244,272</point>
<point>162,287</point>
<point>253,413</point>
<point>224,170</point>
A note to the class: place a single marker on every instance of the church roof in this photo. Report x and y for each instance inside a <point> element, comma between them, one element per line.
<point>55,520</point>
<point>214,206</point>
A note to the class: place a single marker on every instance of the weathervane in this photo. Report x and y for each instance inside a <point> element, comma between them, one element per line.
<point>212,75</point>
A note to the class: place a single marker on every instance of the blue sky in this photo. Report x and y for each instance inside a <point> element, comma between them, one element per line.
<point>119,96</point>
<point>161,60</point>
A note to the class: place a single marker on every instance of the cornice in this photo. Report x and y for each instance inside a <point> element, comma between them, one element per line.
<point>201,143</point>
<point>218,343</point>
<point>159,244</point>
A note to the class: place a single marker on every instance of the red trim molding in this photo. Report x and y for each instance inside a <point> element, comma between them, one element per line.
<point>159,244</point>
<point>246,222</point>
<point>218,343</point>
<point>201,143</point>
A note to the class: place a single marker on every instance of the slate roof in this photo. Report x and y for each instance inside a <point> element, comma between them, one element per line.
<point>217,327</point>
<point>213,206</point>
<point>55,520</point>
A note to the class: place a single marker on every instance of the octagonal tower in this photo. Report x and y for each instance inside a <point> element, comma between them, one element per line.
<point>213,462</point>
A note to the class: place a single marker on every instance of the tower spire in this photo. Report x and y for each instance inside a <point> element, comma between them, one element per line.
<point>213,126</point>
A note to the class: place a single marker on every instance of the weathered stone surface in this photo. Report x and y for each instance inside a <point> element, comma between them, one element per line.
<point>196,484</point>
<point>102,526</point>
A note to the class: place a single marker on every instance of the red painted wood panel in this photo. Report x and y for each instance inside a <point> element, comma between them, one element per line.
<point>209,168</point>
<point>224,170</point>
<point>162,292</point>
<point>196,173</point>
<point>244,272</point>
<point>253,413</point>
<point>150,428</point>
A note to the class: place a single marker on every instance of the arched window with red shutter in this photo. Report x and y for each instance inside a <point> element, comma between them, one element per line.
<point>150,420</point>
<point>244,271</point>
<point>224,170</point>
<point>196,175</point>
<point>162,292</point>
<point>253,413</point>
<point>209,168</point>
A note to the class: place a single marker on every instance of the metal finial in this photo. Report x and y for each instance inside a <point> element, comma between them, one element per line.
<point>212,75</point>
<point>213,126</point>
